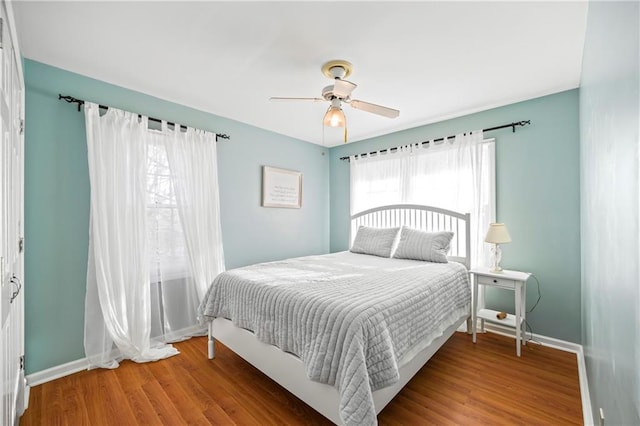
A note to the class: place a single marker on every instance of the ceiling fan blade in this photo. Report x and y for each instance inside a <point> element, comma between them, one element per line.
<point>376,109</point>
<point>281,99</point>
<point>343,88</point>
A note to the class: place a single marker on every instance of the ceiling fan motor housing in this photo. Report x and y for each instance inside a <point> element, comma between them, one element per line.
<point>337,72</point>
<point>327,93</point>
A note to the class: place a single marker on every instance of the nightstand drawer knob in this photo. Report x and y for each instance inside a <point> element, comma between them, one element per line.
<point>495,281</point>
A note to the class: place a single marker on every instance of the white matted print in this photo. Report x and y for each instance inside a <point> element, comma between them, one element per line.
<point>281,188</point>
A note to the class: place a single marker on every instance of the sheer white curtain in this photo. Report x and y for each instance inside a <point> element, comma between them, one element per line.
<point>118,298</point>
<point>194,170</point>
<point>456,174</point>
<point>174,298</point>
<point>155,234</point>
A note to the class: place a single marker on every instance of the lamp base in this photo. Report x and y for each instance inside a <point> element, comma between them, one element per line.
<point>496,256</point>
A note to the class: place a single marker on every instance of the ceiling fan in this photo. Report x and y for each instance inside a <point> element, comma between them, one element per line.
<point>339,92</point>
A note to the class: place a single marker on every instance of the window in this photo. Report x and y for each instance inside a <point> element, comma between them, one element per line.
<point>458,176</point>
<point>167,248</point>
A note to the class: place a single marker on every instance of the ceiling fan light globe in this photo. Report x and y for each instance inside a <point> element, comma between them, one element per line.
<point>334,117</point>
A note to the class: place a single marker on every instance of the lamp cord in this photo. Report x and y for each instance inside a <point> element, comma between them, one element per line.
<point>539,294</point>
<point>528,326</point>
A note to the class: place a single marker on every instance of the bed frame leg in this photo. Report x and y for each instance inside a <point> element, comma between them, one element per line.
<point>211,342</point>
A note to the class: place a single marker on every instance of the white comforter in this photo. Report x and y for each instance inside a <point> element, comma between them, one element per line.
<point>351,318</point>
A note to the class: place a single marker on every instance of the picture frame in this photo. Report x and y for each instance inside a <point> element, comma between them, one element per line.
<point>281,188</point>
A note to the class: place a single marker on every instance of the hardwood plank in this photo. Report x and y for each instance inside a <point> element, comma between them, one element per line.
<point>481,384</point>
<point>166,409</point>
<point>401,413</point>
<point>224,391</point>
<point>54,406</point>
<point>133,375</point>
<point>112,399</point>
<point>189,408</point>
<point>74,409</point>
<point>142,408</point>
<point>199,395</point>
<point>89,389</point>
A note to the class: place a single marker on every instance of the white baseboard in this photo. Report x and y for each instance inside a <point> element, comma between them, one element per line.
<point>551,342</point>
<point>57,372</point>
<point>563,345</point>
<point>587,411</point>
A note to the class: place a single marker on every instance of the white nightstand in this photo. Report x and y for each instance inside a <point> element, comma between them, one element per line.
<point>510,280</point>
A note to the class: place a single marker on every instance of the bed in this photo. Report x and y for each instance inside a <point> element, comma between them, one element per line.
<point>346,331</point>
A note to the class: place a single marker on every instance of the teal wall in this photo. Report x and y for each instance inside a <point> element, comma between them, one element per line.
<point>537,184</point>
<point>57,201</point>
<point>610,217</point>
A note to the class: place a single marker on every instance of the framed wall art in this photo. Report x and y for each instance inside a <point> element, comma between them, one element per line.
<point>281,188</point>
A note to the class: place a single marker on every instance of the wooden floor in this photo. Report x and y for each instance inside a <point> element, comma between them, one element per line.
<point>463,384</point>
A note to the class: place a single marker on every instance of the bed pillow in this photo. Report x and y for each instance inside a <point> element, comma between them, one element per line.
<point>375,241</point>
<point>420,245</point>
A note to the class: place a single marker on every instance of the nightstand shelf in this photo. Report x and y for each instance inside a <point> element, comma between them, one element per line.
<point>515,281</point>
<point>491,315</point>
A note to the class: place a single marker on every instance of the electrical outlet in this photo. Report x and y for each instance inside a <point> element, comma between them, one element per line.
<point>601,417</point>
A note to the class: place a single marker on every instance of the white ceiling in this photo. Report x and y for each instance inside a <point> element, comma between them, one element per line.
<point>430,60</point>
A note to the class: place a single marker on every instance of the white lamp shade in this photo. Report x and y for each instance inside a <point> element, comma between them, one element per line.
<point>497,234</point>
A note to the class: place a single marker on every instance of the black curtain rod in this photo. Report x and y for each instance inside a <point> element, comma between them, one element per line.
<point>80,102</point>
<point>504,126</point>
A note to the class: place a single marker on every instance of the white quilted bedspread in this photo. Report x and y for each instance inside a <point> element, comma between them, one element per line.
<point>349,317</point>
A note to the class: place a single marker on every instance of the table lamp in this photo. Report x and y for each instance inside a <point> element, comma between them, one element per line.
<point>496,235</point>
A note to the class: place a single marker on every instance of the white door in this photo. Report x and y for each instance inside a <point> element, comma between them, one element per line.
<point>11,223</point>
